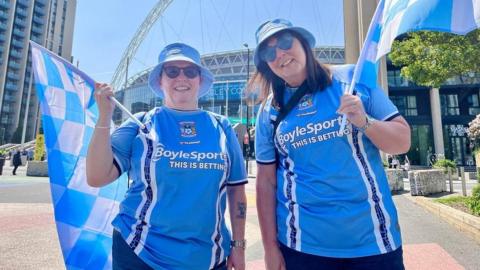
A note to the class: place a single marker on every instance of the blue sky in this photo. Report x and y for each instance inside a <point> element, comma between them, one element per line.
<point>103,29</point>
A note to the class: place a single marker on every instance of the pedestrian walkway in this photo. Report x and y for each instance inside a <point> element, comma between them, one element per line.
<point>29,239</point>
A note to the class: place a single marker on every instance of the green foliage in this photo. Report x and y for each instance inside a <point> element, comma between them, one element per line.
<point>3,152</point>
<point>451,200</point>
<point>430,58</point>
<point>478,174</point>
<point>39,147</point>
<point>474,202</point>
<point>444,164</point>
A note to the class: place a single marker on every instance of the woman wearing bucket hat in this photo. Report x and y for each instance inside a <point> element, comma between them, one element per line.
<point>322,197</point>
<point>183,165</point>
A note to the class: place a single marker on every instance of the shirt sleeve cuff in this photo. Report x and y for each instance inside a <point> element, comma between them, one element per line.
<point>391,116</point>
<point>237,182</point>
<point>266,162</point>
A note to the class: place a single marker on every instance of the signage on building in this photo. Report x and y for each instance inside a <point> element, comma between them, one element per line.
<point>458,131</point>
<point>220,91</point>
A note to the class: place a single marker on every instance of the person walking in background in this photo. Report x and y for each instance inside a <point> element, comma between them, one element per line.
<point>322,197</point>
<point>185,164</point>
<point>17,161</point>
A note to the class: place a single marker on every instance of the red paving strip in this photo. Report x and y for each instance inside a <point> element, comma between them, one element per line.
<point>21,222</point>
<point>429,256</point>
<point>415,257</point>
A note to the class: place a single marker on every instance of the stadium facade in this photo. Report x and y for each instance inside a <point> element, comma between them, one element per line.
<point>225,97</point>
<point>459,102</point>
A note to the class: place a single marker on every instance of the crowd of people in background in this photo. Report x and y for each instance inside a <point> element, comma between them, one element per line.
<point>22,152</point>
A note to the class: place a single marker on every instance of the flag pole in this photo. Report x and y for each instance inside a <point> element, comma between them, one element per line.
<point>125,110</point>
<point>361,59</point>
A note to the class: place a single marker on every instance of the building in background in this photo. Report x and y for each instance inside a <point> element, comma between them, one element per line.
<point>456,104</point>
<point>46,22</point>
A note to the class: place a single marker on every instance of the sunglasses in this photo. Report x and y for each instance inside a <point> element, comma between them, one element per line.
<point>284,42</point>
<point>173,72</point>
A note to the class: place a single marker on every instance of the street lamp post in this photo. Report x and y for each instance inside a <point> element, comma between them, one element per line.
<point>247,152</point>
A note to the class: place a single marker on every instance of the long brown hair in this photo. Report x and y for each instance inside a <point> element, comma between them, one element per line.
<point>318,74</point>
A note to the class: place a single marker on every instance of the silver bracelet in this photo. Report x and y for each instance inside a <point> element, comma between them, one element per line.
<point>105,127</point>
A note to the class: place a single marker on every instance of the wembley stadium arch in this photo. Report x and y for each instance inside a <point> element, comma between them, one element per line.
<point>229,68</point>
<point>139,36</point>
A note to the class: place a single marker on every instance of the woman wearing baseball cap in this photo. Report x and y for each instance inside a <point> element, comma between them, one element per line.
<point>184,164</point>
<point>322,196</point>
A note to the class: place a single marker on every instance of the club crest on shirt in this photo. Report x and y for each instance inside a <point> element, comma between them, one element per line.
<point>188,129</point>
<point>306,102</point>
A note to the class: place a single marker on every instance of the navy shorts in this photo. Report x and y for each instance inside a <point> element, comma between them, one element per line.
<point>124,258</point>
<point>295,260</point>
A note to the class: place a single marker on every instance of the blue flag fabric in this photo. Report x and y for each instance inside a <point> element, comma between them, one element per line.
<point>395,17</point>
<point>83,214</point>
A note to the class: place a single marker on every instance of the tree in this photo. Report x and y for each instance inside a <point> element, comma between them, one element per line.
<point>430,58</point>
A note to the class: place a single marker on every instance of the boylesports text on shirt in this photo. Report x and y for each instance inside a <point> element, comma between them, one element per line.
<point>197,165</point>
<point>191,159</point>
<point>312,133</point>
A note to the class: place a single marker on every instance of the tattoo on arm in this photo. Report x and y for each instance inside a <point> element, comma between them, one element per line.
<point>242,210</point>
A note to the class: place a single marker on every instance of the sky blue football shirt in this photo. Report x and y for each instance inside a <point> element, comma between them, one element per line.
<point>173,213</point>
<point>333,197</point>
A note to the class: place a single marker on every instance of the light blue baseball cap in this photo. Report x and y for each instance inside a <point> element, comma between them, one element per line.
<point>179,52</point>
<point>270,28</point>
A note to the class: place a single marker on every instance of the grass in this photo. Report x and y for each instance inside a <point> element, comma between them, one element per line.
<point>453,200</point>
<point>457,202</point>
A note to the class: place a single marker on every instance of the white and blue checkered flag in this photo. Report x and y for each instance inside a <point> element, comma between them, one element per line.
<point>393,18</point>
<point>83,214</point>
<point>396,17</point>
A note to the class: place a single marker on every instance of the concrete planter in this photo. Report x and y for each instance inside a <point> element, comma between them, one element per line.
<point>395,179</point>
<point>425,182</point>
<point>37,168</point>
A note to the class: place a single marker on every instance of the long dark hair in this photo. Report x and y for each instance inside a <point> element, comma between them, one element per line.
<point>318,75</point>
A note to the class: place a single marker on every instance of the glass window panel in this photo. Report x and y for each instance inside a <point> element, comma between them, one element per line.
<point>422,144</point>
<point>473,104</point>
<point>449,104</point>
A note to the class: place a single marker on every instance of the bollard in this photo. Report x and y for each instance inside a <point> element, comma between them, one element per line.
<point>450,181</point>
<point>464,184</point>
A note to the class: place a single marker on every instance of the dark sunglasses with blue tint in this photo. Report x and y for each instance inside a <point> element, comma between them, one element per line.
<point>173,72</point>
<point>284,42</point>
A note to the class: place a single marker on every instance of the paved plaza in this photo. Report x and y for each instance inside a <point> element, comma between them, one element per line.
<point>29,239</point>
